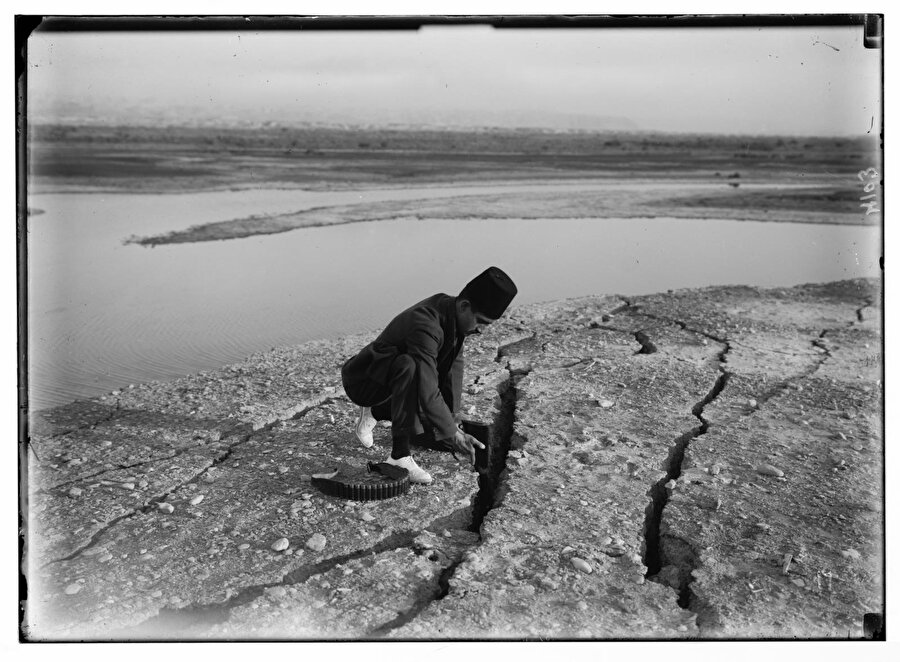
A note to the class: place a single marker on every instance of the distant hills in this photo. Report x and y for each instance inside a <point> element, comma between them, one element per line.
<point>74,113</point>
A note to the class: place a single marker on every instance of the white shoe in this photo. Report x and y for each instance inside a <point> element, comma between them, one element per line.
<point>364,426</point>
<point>416,475</point>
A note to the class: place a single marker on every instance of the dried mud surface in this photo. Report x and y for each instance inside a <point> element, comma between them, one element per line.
<point>693,464</point>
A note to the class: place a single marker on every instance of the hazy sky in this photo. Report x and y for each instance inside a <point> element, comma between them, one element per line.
<point>733,80</point>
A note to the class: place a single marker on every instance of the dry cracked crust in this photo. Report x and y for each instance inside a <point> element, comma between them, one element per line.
<point>694,464</point>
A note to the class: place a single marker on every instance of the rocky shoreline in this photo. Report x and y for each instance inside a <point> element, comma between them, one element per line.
<point>693,464</point>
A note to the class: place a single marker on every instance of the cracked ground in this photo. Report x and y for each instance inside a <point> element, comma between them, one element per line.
<point>694,464</point>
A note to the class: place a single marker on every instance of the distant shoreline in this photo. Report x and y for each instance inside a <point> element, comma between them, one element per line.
<point>208,158</point>
<point>525,173</point>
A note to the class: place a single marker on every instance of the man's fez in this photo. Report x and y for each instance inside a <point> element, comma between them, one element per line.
<point>490,292</point>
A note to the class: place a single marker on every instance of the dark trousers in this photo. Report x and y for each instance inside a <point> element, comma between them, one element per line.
<point>398,401</point>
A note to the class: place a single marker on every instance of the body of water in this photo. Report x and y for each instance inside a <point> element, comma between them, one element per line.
<point>103,315</point>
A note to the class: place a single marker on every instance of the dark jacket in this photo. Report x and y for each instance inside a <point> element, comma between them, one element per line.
<point>427,332</point>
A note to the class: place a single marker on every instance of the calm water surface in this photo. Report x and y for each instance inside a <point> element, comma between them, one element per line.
<point>103,315</point>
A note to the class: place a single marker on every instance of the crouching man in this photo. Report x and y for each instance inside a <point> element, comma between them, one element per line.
<point>412,373</point>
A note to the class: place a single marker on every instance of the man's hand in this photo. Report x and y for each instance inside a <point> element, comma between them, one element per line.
<point>465,443</point>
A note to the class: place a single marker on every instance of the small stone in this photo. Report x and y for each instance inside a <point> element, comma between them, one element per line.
<point>606,404</point>
<point>281,544</point>
<point>850,554</point>
<point>769,470</point>
<point>367,516</point>
<point>72,589</point>
<point>567,550</point>
<point>127,486</point>
<point>753,404</point>
<point>715,470</point>
<point>156,594</point>
<point>209,478</point>
<point>75,492</point>
<point>244,545</point>
<point>670,485</point>
<point>197,499</point>
<point>316,542</point>
<point>278,591</point>
<point>166,507</point>
<point>682,628</point>
<point>582,565</point>
<point>447,534</point>
<point>799,582</point>
<point>786,563</point>
<point>103,558</point>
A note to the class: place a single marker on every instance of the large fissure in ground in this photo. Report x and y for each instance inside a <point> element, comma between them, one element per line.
<point>490,490</point>
<point>667,551</point>
<point>489,479</point>
<point>657,555</point>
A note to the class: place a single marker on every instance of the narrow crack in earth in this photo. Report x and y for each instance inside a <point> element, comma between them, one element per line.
<point>191,621</point>
<point>655,555</point>
<point>119,467</point>
<point>684,326</point>
<point>108,417</point>
<point>148,505</point>
<point>784,384</point>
